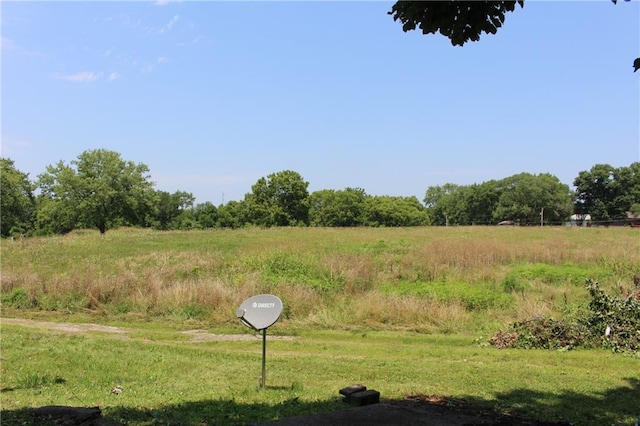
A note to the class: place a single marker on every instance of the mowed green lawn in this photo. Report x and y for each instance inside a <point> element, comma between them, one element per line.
<point>403,311</point>
<point>168,379</point>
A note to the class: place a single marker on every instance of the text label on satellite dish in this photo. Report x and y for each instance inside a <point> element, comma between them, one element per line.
<point>260,311</point>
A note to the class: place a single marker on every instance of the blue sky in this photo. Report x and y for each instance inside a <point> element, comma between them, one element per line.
<point>213,96</point>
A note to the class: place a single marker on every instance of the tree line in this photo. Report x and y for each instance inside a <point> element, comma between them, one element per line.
<point>101,190</point>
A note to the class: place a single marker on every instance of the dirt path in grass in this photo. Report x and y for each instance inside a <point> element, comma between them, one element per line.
<point>63,326</point>
<point>72,327</point>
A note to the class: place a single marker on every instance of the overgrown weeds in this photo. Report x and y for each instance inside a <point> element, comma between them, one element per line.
<point>432,279</point>
<point>611,322</point>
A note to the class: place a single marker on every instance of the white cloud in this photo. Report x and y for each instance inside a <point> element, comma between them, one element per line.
<point>173,21</point>
<point>171,24</point>
<point>80,77</point>
<point>113,76</point>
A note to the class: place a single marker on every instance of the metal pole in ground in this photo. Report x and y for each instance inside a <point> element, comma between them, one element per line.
<point>264,357</point>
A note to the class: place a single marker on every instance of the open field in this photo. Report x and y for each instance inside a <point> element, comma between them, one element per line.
<point>405,311</point>
<point>424,279</point>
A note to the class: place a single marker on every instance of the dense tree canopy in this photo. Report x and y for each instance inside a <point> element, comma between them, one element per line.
<point>234,214</point>
<point>206,215</point>
<point>527,198</point>
<point>17,203</point>
<point>387,210</point>
<point>353,207</point>
<point>329,207</point>
<point>459,21</point>
<point>98,189</point>
<point>280,199</point>
<point>445,203</point>
<point>520,198</point>
<point>169,207</point>
<point>606,192</point>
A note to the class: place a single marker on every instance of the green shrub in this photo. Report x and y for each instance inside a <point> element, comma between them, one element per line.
<point>615,319</point>
<point>513,284</point>
<point>18,298</point>
<point>612,322</point>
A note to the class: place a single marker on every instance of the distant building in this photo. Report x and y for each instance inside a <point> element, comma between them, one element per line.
<point>579,220</point>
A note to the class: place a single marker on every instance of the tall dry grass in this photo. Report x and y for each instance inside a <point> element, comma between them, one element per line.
<point>425,279</point>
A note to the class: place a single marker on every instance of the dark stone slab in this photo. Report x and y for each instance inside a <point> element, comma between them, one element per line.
<point>365,397</point>
<point>349,390</point>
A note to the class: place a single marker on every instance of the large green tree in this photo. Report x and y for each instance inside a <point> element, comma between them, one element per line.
<point>386,210</point>
<point>519,198</point>
<point>528,199</point>
<point>606,192</point>
<point>459,21</point>
<point>168,207</point>
<point>280,199</point>
<point>447,204</point>
<point>234,214</point>
<point>329,207</point>
<point>206,215</point>
<point>17,203</point>
<point>98,189</point>
<point>481,200</point>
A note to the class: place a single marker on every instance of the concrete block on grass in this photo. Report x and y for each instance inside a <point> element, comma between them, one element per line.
<point>365,397</point>
<point>349,390</point>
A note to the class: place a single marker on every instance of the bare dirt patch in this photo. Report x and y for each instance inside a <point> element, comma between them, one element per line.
<point>64,326</point>
<point>195,335</point>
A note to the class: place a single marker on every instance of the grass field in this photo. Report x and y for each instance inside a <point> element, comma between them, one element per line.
<point>404,311</point>
<point>167,379</point>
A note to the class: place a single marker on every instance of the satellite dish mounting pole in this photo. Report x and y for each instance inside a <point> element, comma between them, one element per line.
<point>260,312</point>
<point>264,357</point>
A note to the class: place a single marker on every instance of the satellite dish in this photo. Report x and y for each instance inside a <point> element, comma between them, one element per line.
<point>260,312</point>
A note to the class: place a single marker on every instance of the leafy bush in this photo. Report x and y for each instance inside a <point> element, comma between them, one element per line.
<point>512,284</point>
<point>612,322</point>
<point>616,319</point>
